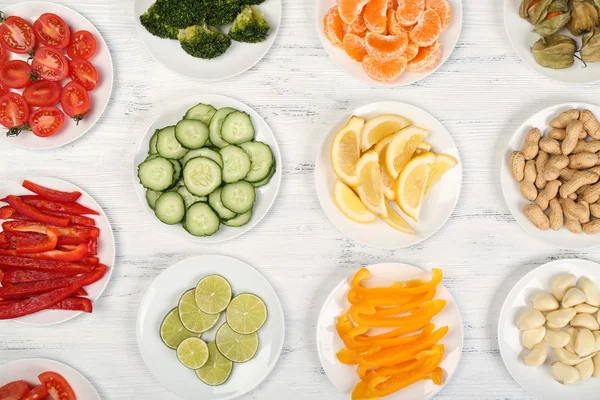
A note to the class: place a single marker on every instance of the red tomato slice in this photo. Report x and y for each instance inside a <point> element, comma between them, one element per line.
<point>14,111</point>
<point>57,386</point>
<point>83,72</point>
<point>3,54</point>
<point>3,89</point>
<point>14,390</point>
<point>75,101</point>
<point>15,74</point>
<point>50,64</point>
<point>42,93</point>
<point>38,393</point>
<point>17,35</point>
<point>82,45</point>
<point>51,30</point>
<point>46,121</point>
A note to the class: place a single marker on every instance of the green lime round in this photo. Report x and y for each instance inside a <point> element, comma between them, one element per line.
<point>246,313</point>
<point>192,353</point>
<point>172,331</point>
<point>217,369</point>
<point>235,346</point>
<point>213,294</point>
<point>192,317</point>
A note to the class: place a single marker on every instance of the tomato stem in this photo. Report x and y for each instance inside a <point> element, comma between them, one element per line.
<point>2,16</point>
<point>78,118</point>
<point>15,130</point>
<point>33,76</point>
<point>31,55</point>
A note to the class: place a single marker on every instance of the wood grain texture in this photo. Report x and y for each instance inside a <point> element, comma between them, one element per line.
<point>481,95</point>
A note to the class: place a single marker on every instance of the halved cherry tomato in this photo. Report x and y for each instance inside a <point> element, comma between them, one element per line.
<point>14,111</point>
<point>42,93</point>
<point>46,121</point>
<point>83,72</point>
<point>17,35</point>
<point>82,45</point>
<point>15,74</point>
<point>50,64</point>
<point>57,386</point>
<point>3,54</point>
<point>51,30</point>
<point>75,101</point>
<point>3,89</point>
<point>38,393</point>
<point>14,390</point>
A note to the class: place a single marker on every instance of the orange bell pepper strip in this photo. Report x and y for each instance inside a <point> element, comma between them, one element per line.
<point>393,342</point>
<point>343,325</point>
<point>426,312</point>
<point>437,376</point>
<point>351,337</point>
<point>404,367</point>
<point>361,392</point>
<point>361,275</point>
<point>395,332</point>
<point>347,356</point>
<point>412,304</point>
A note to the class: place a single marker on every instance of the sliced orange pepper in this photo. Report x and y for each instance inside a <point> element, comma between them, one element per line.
<point>393,342</point>
<point>361,392</point>
<point>343,326</point>
<point>406,366</point>
<point>350,339</point>
<point>395,332</point>
<point>412,304</point>
<point>387,300</point>
<point>426,311</point>
<point>347,356</point>
<point>361,275</point>
<point>437,376</point>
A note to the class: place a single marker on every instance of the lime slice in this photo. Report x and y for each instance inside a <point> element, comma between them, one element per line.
<point>246,313</point>
<point>213,294</point>
<point>192,317</point>
<point>217,369</point>
<point>236,347</point>
<point>192,353</point>
<point>172,331</point>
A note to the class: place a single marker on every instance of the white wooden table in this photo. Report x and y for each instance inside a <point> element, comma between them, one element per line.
<point>481,95</point>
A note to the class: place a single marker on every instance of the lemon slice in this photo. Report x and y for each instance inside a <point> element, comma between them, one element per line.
<point>422,148</point>
<point>410,186</point>
<point>386,178</point>
<point>345,151</point>
<point>379,127</point>
<point>370,189</point>
<point>443,162</point>
<point>402,147</point>
<point>397,222</point>
<point>350,205</point>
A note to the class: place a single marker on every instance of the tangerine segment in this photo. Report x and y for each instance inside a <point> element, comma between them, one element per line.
<point>410,11</point>
<point>411,51</point>
<point>427,30</point>
<point>334,27</point>
<point>350,9</point>
<point>442,8</point>
<point>358,26</point>
<point>384,71</point>
<point>385,48</point>
<point>426,59</point>
<point>355,47</point>
<point>375,15</point>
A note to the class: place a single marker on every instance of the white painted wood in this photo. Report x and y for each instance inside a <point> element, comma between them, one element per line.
<point>482,94</point>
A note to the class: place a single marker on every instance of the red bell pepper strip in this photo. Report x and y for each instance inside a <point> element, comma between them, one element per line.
<point>7,212</point>
<point>12,276</point>
<point>74,304</point>
<point>36,303</point>
<point>50,194</point>
<point>42,265</point>
<point>48,244</point>
<point>75,219</point>
<point>80,292</point>
<point>73,231</point>
<point>57,206</point>
<point>34,213</point>
<point>1,276</point>
<point>92,261</point>
<point>66,241</point>
<point>76,254</point>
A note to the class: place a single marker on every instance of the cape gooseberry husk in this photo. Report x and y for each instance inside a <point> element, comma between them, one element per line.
<point>590,52</point>
<point>584,17</point>
<point>533,11</point>
<point>550,26</point>
<point>556,52</point>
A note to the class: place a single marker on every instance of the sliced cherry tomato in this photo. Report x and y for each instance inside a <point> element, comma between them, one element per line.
<point>38,393</point>
<point>50,64</point>
<point>83,72</point>
<point>15,74</point>
<point>42,93</point>
<point>14,112</point>
<point>51,30</point>
<point>75,101</point>
<point>3,89</point>
<point>16,390</point>
<point>46,121</point>
<point>3,54</point>
<point>82,45</point>
<point>57,386</point>
<point>17,35</point>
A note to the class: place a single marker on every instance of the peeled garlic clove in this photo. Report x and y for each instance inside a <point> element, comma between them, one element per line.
<point>568,358</point>
<point>564,374</point>
<point>557,339</point>
<point>531,319</point>
<point>596,360</point>
<point>573,333</point>
<point>585,343</point>
<point>597,336</point>
<point>560,318</point>
<point>585,308</point>
<point>585,321</point>
<point>586,369</point>
<point>537,356</point>
<point>532,337</point>
<point>545,302</point>
<point>573,297</point>
<point>592,297</point>
<point>562,284</point>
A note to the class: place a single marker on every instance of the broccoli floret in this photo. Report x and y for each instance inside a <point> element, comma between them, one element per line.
<point>252,1</point>
<point>164,18</point>
<point>249,26</point>
<point>156,26</point>
<point>204,41</point>
<point>221,12</point>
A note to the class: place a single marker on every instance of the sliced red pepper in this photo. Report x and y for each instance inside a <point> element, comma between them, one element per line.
<point>12,276</point>
<point>47,245</point>
<point>57,206</point>
<point>34,213</point>
<point>76,254</point>
<point>42,265</point>
<point>1,276</point>
<point>74,304</point>
<point>7,212</point>
<point>75,219</point>
<point>36,303</point>
<point>73,231</point>
<point>50,194</point>
<point>93,261</point>
<point>80,292</point>
<point>66,241</point>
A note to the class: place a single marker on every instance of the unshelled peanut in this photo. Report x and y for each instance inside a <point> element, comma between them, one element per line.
<point>540,162</point>
<point>550,192</point>
<point>579,179</point>
<point>550,146</point>
<point>554,165</point>
<point>564,118</point>
<point>531,145</point>
<point>527,187</point>
<point>556,216</point>
<point>590,123</point>
<point>536,216</point>
<point>583,160</point>
<point>574,130</point>
<point>517,165</point>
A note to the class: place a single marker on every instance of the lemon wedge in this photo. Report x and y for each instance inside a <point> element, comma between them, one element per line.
<point>380,127</point>
<point>402,147</point>
<point>443,162</point>
<point>386,178</point>
<point>345,151</point>
<point>350,205</point>
<point>370,188</point>
<point>410,185</point>
<point>396,221</point>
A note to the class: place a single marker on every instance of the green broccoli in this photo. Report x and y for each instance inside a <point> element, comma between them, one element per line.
<point>164,18</point>
<point>203,41</point>
<point>256,1</point>
<point>156,26</point>
<point>249,26</point>
<point>221,12</point>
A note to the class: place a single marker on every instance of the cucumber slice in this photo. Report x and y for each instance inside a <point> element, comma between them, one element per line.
<point>203,152</point>
<point>238,197</point>
<point>153,141</point>
<point>240,220</point>
<point>189,198</point>
<point>152,196</point>
<point>201,176</point>
<point>267,179</point>
<point>170,208</point>
<point>152,157</point>
<point>237,128</point>
<point>156,174</point>
<point>208,142</point>
<point>215,126</point>
<point>214,199</point>
<point>202,112</point>
<point>236,163</point>
<point>177,168</point>
<point>262,160</point>
<point>168,146</point>
<point>201,220</point>
<point>191,133</point>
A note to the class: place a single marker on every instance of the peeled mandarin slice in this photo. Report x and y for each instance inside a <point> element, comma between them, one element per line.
<point>427,58</point>
<point>375,15</point>
<point>392,4</point>
<point>359,27</point>
<point>386,179</point>
<point>442,8</point>
<point>397,222</point>
<point>334,28</point>
<point>402,147</point>
<point>350,9</point>
<point>393,27</point>
<point>384,71</point>
<point>350,205</point>
<point>443,163</point>
<point>410,185</point>
<point>427,30</point>
<point>370,189</point>
<point>411,51</point>
<point>355,47</point>
<point>378,128</point>
<point>409,11</point>
<point>384,47</point>
<point>345,151</point>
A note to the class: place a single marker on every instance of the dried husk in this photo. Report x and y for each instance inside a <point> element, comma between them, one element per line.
<point>552,25</point>
<point>584,17</point>
<point>556,52</point>
<point>534,13</point>
<point>590,52</point>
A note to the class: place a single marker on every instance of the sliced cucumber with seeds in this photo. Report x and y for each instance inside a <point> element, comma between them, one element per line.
<point>151,197</point>
<point>237,128</point>
<point>176,186</point>
<point>177,168</point>
<point>261,158</point>
<point>203,152</point>
<point>239,197</point>
<point>214,199</point>
<point>267,179</point>
<point>153,141</point>
<point>201,220</point>
<point>202,112</point>
<point>152,157</point>
<point>240,220</point>
<point>170,208</point>
<point>236,163</point>
<point>189,198</point>
<point>215,126</point>
<point>156,174</point>
<point>168,146</point>
<point>191,133</point>
<point>201,176</point>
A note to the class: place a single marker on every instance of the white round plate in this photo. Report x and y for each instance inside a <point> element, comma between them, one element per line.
<point>239,58</point>
<point>99,97</point>
<point>437,206</point>
<point>343,376</point>
<point>448,39</point>
<point>265,195</point>
<point>512,194</point>
<point>163,295</point>
<point>28,370</point>
<point>106,248</point>
<point>538,381</point>
<point>521,36</point>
